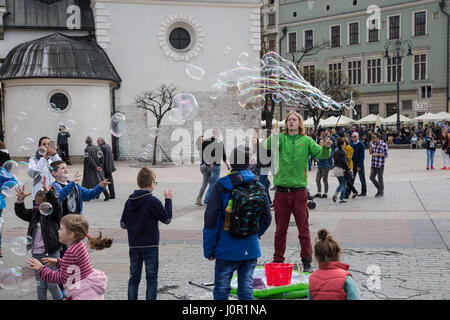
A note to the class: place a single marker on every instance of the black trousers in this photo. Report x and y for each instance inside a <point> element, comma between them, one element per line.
<point>64,149</point>
<point>108,175</point>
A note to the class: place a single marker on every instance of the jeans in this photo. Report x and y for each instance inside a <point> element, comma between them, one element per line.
<point>430,157</point>
<point>362,178</point>
<point>341,187</point>
<point>42,285</point>
<point>215,175</point>
<point>206,172</point>
<point>224,272</point>
<point>322,174</point>
<point>149,256</point>
<point>285,204</point>
<point>380,183</point>
<point>264,179</point>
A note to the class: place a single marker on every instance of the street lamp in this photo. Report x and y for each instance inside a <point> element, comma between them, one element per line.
<point>398,48</point>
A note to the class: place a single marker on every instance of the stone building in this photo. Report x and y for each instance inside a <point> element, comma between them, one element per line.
<point>146,43</point>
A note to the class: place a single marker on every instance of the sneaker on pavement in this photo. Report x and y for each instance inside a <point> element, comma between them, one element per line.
<point>342,201</point>
<point>324,195</point>
<point>362,195</point>
<point>335,198</point>
<point>355,194</point>
<point>444,168</point>
<point>307,266</point>
<point>318,195</point>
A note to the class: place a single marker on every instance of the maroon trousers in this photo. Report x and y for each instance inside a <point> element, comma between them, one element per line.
<point>284,204</point>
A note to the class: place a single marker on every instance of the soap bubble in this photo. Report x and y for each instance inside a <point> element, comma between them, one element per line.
<point>93,132</point>
<point>195,72</point>
<point>242,59</point>
<point>70,124</point>
<point>45,208</point>
<point>153,131</point>
<point>15,128</point>
<point>185,108</point>
<point>8,189</point>
<point>227,50</point>
<point>9,169</point>
<point>19,245</point>
<point>21,115</point>
<point>214,91</point>
<point>117,117</point>
<point>99,154</point>
<point>11,278</point>
<point>42,150</point>
<point>27,287</point>
<point>258,102</point>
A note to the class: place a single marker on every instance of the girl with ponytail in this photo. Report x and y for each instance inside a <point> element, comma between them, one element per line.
<point>80,280</point>
<point>331,281</point>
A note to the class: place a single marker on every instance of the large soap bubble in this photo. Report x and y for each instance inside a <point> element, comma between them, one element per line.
<point>11,278</point>
<point>185,108</point>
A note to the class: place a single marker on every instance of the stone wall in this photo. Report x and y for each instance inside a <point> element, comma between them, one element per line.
<point>179,141</point>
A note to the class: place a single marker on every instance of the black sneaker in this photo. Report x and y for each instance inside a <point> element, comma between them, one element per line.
<point>362,195</point>
<point>307,266</point>
<point>342,201</point>
<point>324,195</point>
<point>335,198</point>
<point>318,195</point>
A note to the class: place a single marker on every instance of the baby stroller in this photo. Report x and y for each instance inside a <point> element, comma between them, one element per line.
<point>311,203</point>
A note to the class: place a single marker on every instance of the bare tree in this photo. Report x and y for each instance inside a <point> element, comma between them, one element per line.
<point>296,57</point>
<point>335,86</point>
<point>158,102</point>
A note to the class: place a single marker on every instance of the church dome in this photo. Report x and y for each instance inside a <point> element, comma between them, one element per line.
<point>59,56</point>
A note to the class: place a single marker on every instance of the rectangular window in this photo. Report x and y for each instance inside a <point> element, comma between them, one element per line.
<point>420,22</point>
<point>406,104</point>
<point>335,36</point>
<point>374,109</point>
<point>334,74</point>
<point>292,42</point>
<point>373,35</point>
<point>394,27</point>
<point>391,108</point>
<point>271,20</point>
<point>272,45</point>
<point>392,70</point>
<point>373,71</point>
<point>309,39</point>
<point>353,33</point>
<point>354,72</point>
<point>309,74</point>
<point>420,67</point>
<point>425,92</point>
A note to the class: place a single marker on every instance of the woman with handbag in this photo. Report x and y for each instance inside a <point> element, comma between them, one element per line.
<point>340,167</point>
<point>349,174</point>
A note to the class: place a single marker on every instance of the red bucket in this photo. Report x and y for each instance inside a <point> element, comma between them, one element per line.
<point>278,274</point>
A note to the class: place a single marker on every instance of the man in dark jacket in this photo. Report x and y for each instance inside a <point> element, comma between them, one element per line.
<point>232,254</point>
<point>93,164</point>
<point>358,163</point>
<point>62,143</point>
<point>108,165</point>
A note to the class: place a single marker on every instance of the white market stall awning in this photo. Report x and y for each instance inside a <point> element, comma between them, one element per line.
<point>370,119</point>
<point>426,117</point>
<point>392,120</point>
<point>443,116</point>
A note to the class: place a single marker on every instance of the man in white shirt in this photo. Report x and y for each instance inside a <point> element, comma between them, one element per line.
<point>38,165</point>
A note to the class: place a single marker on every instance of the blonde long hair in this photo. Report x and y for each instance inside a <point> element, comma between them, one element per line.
<point>301,129</point>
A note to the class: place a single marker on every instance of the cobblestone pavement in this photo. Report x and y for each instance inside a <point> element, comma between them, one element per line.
<point>405,235</point>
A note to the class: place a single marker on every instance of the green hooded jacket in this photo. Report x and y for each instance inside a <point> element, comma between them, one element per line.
<point>291,162</point>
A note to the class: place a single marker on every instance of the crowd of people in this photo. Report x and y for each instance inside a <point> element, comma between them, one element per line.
<point>238,208</point>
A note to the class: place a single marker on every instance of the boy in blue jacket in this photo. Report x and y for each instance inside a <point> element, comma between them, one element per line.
<point>70,193</point>
<point>230,253</point>
<point>140,217</point>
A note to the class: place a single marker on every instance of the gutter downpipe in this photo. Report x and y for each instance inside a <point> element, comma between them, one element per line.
<point>442,5</point>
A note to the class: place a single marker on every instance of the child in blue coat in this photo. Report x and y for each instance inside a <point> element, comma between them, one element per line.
<point>5,177</point>
<point>232,254</point>
<point>70,193</point>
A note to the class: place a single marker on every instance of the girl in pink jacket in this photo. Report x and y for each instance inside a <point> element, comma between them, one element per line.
<point>80,280</point>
